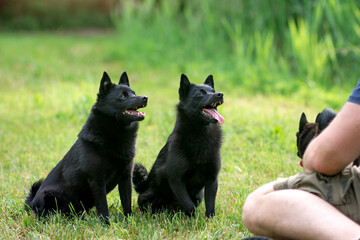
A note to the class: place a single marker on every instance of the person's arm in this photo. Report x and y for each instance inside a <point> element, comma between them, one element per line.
<point>338,145</point>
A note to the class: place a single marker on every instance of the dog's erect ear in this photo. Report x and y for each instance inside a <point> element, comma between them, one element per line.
<point>303,121</point>
<point>184,86</point>
<point>104,84</point>
<point>124,79</point>
<point>210,81</point>
<point>324,118</point>
<point>321,121</point>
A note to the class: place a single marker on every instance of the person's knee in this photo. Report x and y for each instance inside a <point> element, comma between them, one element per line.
<point>249,209</point>
<point>252,209</point>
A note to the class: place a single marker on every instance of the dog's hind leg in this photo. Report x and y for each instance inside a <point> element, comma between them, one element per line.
<point>182,196</point>
<point>44,202</point>
<point>38,206</point>
<point>145,200</point>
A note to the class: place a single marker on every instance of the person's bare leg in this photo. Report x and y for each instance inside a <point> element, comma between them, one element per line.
<point>295,214</point>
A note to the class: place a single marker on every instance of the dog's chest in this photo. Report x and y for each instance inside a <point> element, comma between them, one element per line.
<point>201,149</point>
<point>112,179</point>
<point>121,146</point>
<point>196,176</point>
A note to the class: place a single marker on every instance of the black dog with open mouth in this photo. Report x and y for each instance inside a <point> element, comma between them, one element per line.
<point>190,161</point>
<point>100,159</point>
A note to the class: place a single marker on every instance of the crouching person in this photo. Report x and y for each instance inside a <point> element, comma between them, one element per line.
<point>323,202</point>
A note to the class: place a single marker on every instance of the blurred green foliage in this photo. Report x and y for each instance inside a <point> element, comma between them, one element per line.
<point>266,46</point>
<point>262,45</point>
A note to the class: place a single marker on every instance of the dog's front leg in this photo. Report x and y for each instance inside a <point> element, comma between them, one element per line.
<point>125,191</point>
<point>211,187</point>
<point>182,196</point>
<point>98,190</point>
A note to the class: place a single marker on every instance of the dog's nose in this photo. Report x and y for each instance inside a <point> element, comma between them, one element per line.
<point>220,94</point>
<point>145,99</point>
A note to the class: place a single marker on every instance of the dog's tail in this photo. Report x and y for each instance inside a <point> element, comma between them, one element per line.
<point>139,179</point>
<point>33,190</point>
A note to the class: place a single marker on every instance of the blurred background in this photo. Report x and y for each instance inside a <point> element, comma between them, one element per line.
<point>262,45</point>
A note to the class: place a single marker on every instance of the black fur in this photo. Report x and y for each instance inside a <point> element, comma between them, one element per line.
<point>139,178</point>
<point>100,159</point>
<point>190,160</point>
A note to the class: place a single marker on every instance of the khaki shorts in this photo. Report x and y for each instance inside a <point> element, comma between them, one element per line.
<point>342,190</point>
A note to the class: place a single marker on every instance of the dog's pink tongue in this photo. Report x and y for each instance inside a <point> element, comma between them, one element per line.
<point>134,112</point>
<point>212,112</point>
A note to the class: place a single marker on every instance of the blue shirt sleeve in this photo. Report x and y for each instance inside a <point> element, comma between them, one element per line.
<point>355,95</point>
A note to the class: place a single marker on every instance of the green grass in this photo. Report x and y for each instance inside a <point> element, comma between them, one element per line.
<point>48,83</point>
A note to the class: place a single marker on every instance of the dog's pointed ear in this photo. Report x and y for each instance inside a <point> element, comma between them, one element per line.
<point>319,120</point>
<point>184,86</point>
<point>302,122</point>
<point>324,118</point>
<point>124,79</point>
<point>210,81</point>
<point>104,84</point>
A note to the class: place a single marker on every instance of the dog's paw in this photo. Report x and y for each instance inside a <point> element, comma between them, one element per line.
<point>210,214</point>
<point>190,211</point>
<point>105,220</point>
<point>127,214</point>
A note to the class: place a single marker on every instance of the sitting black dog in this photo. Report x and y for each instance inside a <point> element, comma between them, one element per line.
<point>100,159</point>
<point>308,131</point>
<point>190,160</point>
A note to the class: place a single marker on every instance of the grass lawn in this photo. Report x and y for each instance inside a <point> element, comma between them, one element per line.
<point>48,83</point>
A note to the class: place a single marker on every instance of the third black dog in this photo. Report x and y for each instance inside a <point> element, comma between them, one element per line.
<point>308,131</point>
<point>100,159</point>
<point>190,160</point>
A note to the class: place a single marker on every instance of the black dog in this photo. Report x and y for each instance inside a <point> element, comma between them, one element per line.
<point>308,131</point>
<point>190,160</point>
<point>100,159</point>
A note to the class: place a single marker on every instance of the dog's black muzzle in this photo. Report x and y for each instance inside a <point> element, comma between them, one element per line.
<point>217,99</point>
<point>144,100</point>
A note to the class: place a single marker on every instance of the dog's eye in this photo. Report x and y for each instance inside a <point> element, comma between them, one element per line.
<point>201,93</point>
<point>124,95</point>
